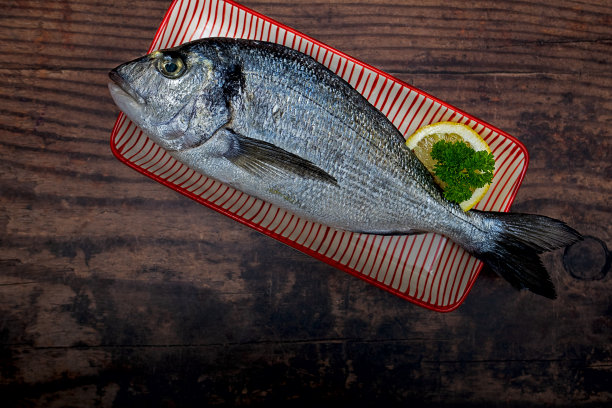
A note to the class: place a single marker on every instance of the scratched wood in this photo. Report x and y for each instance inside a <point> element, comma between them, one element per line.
<point>116,291</point>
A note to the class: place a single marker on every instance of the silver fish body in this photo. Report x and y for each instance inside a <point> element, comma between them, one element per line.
<point>274,123</point>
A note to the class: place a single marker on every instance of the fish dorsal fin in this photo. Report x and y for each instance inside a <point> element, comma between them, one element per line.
<point>265,159</point>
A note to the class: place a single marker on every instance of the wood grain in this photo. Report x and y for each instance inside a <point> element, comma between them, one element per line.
<point>116,291</point>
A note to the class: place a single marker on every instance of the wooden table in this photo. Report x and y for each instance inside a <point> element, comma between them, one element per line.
<point>117,291</point>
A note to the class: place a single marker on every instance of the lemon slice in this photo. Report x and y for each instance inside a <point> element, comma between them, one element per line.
<point>421,142</point>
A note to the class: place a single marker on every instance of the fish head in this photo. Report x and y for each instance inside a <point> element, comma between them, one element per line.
<point>175,95</point>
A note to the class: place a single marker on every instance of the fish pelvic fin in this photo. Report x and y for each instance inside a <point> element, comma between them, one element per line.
<point>266,159</point>
<point>518,239</point>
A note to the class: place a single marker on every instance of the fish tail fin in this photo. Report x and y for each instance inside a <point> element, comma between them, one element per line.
<point>517,240</point>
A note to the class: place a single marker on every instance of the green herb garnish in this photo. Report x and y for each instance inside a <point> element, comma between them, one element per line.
<point>462,169</point>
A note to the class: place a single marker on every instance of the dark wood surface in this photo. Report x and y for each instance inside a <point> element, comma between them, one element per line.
<point>117,291</point>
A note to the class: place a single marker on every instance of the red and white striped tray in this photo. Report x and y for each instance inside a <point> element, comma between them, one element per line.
<point>427,269</point>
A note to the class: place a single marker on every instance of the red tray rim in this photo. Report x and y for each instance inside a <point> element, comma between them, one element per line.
<point>286,241</point>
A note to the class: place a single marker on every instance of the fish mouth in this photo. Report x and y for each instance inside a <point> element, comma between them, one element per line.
<point>120,85</point>
<point>126,98</point>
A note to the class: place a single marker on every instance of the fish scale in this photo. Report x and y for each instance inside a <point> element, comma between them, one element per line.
<point>277,125</point>
<point>350,137</point>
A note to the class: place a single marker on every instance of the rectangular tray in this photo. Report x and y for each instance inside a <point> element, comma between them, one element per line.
<point>428,269</point>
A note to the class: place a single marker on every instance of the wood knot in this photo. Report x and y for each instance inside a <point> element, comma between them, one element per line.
<point>588,259</point>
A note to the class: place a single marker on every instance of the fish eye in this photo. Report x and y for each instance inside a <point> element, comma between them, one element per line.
<point>171,66</point>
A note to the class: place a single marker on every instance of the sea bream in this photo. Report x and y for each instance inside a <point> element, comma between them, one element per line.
<point>274,123</point>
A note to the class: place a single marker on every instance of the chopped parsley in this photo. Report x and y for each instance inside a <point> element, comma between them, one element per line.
<point>462,169</point>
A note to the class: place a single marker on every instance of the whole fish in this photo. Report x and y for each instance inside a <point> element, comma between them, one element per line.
<point>275,124</point>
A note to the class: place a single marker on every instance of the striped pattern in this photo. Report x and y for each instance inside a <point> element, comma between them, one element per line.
<point>426,269</point>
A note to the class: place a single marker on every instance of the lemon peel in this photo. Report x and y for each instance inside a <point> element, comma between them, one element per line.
<point>422,140</point>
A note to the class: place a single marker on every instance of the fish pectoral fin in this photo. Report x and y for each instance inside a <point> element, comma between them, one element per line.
<point>265,159</point>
